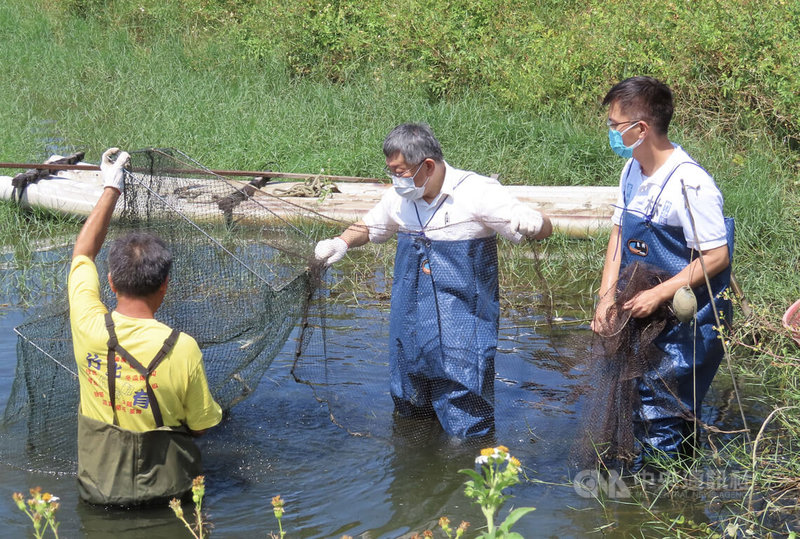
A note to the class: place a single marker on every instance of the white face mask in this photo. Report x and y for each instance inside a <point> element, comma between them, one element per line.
<point>406,188</point>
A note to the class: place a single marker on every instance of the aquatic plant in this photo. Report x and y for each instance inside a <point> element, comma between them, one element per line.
<point>444,524</point>
<point>41,509</point>
<point>198,491</point>
<point>277,509</point>
<point>499,470</point>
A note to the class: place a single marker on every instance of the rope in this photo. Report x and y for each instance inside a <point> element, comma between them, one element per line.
<point>238,187</point>
<point>312,188</point>
<point>54,360</point>
<point>714,308</point>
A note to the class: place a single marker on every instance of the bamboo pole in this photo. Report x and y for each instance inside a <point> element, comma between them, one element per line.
<point>226,173</point>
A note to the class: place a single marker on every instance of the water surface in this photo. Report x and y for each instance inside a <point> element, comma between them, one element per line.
<point>388,484</point>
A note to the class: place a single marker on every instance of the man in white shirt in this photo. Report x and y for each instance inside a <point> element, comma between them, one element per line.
<point>445,299</point>
<point>669,213</point>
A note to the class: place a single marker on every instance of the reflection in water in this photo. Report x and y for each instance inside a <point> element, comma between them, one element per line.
<point>395,481</point>
<point>152,522</point>
<point>425,461</point>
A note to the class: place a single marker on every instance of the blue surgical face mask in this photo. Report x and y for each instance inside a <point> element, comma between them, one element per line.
<point>406,188</point>
<point>615,141</point>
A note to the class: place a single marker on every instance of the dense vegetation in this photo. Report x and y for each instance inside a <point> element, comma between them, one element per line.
<point>509,87</point>
<point>735,59</point>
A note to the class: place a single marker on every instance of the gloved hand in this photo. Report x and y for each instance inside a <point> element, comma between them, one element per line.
<point>112,172</point>
<point>330,251</point>
<point>526,221</point>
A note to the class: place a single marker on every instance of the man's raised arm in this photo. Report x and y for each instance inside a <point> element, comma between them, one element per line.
<point>93,234</point>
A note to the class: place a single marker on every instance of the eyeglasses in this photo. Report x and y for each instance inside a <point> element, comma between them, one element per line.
<point>614,125</point>
<point>403,174</point>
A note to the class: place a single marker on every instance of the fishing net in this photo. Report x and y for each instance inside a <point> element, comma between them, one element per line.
<point>439,335</point>
<point>244,285</point>
<point>240,285</point>
<point>617,362</point>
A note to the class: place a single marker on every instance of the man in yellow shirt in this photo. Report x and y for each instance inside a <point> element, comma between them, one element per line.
<point>143,388</point>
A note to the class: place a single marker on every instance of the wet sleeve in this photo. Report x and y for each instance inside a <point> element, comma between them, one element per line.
<point>202,411</point>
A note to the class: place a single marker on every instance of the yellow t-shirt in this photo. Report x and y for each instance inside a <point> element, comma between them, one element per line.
<point>179,382</point>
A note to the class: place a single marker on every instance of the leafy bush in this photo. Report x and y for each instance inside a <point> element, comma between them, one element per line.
<point>739,61</point>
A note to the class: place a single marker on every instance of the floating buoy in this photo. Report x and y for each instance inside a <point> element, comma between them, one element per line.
<point>684,303</point>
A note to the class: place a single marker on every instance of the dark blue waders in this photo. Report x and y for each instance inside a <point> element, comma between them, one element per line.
<point>693,350</point>
<point>443,332</point>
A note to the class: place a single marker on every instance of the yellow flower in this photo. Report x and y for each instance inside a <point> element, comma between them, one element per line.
<point>277,506</point>
<point>501,448</point>
<point>515,461</point>
<point>175,505</point>
<point>487,451</point>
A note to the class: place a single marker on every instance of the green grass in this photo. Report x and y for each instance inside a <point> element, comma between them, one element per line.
<point>26,231</point>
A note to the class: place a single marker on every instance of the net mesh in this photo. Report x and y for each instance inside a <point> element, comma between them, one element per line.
<point>617,362</point>
<point>244,285</point>
<point>240,283</point>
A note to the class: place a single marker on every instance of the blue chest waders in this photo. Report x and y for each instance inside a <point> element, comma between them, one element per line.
<point>692,350</point>
<point>443,332</point>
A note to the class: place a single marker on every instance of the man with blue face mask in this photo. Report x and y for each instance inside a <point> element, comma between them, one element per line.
<point>668,214</point>
<point>445,300</point>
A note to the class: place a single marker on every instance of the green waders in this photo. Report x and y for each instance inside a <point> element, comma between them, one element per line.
<point>117,466</point>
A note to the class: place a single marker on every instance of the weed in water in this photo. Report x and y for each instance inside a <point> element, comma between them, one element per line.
<point>499,470</point>
<point>41,509</point>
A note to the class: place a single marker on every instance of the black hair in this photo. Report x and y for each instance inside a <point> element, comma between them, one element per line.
<point>139,264</point>
<point>644,98</point>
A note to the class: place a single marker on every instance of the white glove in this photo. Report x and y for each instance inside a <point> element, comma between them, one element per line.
<point>112,172</point>
<point>330,251</point>
<point>526,221</point>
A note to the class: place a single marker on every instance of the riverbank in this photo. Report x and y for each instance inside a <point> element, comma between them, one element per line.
<point>574,210</point>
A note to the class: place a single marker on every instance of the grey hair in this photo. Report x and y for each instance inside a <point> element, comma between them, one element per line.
<point>415,142</point>
<point>139,263</point>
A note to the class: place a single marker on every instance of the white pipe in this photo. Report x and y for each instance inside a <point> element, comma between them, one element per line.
<point>574,211</point>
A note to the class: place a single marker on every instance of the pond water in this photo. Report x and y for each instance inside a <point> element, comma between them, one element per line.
<point>281,441</point>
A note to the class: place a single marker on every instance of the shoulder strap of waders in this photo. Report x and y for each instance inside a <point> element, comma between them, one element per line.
<point>649,217</point>
<point>115,348</point>
<point>441,203</point>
